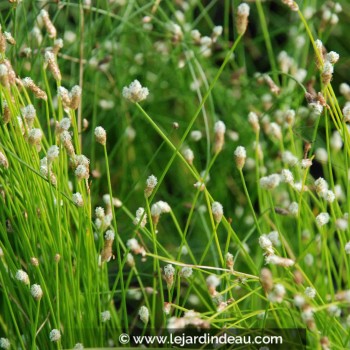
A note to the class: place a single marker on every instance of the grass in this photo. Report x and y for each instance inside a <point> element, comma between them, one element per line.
<point>278,257</point>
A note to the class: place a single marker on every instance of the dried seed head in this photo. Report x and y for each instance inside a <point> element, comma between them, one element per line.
<point>135,92</point>
<point>29,83</point>
<point>277,260</point>
<point>63,93</point>
<point>254,121</point>
<point>271,84</point>
<point>51,63</point>
<point>36,291</point>
<point>229,260</point>
<point>220,129</point>
<point>34,261</point>
<point>106,253</point>
<point>45,19</point>
<point>242,18</point>
<point>212,282</point>
<point>101,135</point>
<point>291,4</point>
<point>2,42</point>
<point>75,97</point>
<point>298,277</point>
<point>4,76</point>
<point>266,279</point>
<point>66,140</point>
<point>57,46</point>
<point>3,161</point>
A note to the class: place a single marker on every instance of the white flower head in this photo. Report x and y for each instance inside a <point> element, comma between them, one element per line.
<point>265,243</point>
<point>186,272</point>
<point>220,127</point>
<point>188,155</point>
<point>135,92</point>
<point>105,316</point>
<point>213,281</point>
<point>5,343</point>
<point>347,248</point>
<point>109,235</point>
<point>196,135</point>
<point>52,153</point>
<point>322,219</point>
<point>240,156</point>
<point>287,176</point>
<point>299,301</point>
<point>310,292</point>
<point>243,9</point>
<point>22,276</point>
<point>217,210</point>
<point>169,270</point>
<point>270,182</point>
<point>334,311</point>
<point>144,314</point>
<point>100,135</point>
<point>293,208</point>
<point>141,217</point>
<point>55,335</point>
<point>78,199</point>
<point>36,291</point>
<point>273,236</point>
<point>332,57</point>
<point>306,163</point>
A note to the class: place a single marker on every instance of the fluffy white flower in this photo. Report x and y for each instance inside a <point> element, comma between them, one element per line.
<point>322,219</point>
<point>55,335</point>
<point>135,92</point>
